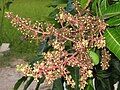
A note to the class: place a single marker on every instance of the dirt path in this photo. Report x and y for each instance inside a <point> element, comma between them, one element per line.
<point>8,77</point>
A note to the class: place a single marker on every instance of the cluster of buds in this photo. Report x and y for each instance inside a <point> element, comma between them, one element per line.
<point>55,65</point>
<point>27,70</point>
<point>82,29</point>
<point>105,59</point>
<point>24,25</point>
<point>52,67</point>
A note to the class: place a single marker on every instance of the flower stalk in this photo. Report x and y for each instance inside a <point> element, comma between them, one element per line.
<point>84,30</point>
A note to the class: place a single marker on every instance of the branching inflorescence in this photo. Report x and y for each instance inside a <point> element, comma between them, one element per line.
<point>83,30</point>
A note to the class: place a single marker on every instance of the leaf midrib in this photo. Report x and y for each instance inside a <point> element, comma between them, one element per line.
<point>114,13</point>
<point>113,37</point>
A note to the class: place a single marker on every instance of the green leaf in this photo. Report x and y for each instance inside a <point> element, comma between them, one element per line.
<point>70,7</point>
<point>53,13</point>
<point>112,36</point>
<point>103,74</point>
<point>114,21</point>
<point>58,84</point>
<point>99,84</point>
<point>68,46</point>
<point>111,11</point>
<point>41,80</point>
<point>102,84</point>
<point>94,7</point>
<point>83,3</point>
<point>95,57</point>
<point>116,65</point>
<point>102,81</point>
<point>43,45</point>
<point>104,5</point>
<point>98,6</point>
<point>74,72</point>
<point>28,83</point>
<point>19,82</point>
<point>90,85</point>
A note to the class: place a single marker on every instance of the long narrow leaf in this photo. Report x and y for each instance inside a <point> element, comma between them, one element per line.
<point>114,21</point>
<point>41,80</point>
<point>94,7</point>
<point>84,3</point>
<point>58,85</point>
<point>90,85</point>
<point>104,5</point>
<point>112,36</point>
<point>111,11</point>
<point>74,72</point>
<point>19,82</point>
<point>28,83</point>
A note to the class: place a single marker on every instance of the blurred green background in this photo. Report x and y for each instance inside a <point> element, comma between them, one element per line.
<point>19,48</point>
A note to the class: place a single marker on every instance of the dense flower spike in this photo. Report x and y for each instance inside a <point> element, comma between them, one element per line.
<point>105,59</point>
<point>82,29</point>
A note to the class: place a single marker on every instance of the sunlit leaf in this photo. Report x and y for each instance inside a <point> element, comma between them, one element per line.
<point>84,3</point>
<point>104,5</point>
<point>111,11</point>
<point>98,6</point>
<point>112,36</point>
<point>90,84</point>
<point>95,57</point>
<point>114,21</point>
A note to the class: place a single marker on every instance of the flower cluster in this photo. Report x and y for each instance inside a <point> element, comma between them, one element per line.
<point>24,25</point>
<point>105,59</point>
<point>82,29</point>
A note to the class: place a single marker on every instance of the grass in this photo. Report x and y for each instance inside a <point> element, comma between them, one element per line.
<point>34,9</point>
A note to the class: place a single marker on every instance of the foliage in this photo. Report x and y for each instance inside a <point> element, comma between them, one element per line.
<point>59,38</point>
<point>4,4</point>
<point>113,40</point>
